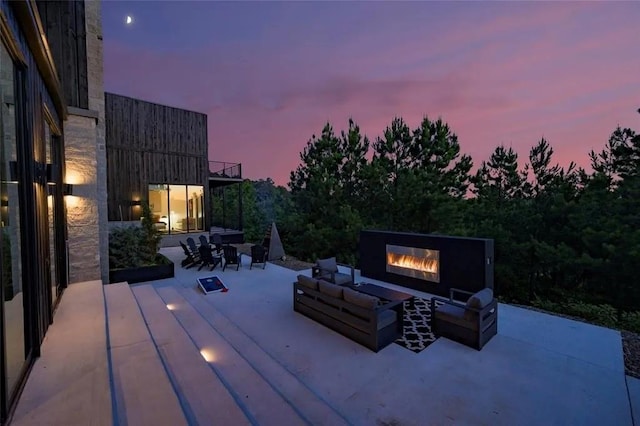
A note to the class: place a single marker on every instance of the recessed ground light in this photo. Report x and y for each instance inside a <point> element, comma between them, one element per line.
<point>170,307</point>
<point>207,355</point>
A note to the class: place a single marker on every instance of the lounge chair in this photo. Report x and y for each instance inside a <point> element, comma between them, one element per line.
<point>473,323</point>
<point>258,255</point>
<point>208,258</point>
<point>327,269</point>
<point>189,261</point>
<point>231,256</point>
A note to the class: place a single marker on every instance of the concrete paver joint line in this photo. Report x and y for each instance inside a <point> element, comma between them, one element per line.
<point>114,404</point>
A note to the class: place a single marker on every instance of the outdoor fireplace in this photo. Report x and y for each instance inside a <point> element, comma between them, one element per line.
<point>426,262</point>
<point>423,264</point>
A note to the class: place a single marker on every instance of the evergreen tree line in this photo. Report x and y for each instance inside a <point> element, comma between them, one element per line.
<point>565,238</point>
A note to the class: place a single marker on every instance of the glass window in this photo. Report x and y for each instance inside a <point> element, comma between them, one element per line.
<point>159,206</point>
<point>177,208</point>
<point>10,262</point>
<point>196,207</point>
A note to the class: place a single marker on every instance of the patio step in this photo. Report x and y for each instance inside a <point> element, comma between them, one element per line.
<point>205,395</point>
<point>141,390</point>
<point>69,383</point>
<point>265,404</point>
<point>243,357</point>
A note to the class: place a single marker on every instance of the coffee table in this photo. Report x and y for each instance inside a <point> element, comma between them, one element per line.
<point>383,292</point>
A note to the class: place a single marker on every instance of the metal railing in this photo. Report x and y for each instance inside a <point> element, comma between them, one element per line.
<point>225,170</point>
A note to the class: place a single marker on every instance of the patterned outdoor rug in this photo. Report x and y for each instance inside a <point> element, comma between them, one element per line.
<point>417,326</point>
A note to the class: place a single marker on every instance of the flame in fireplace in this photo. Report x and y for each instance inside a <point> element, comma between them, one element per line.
<point>412,262</point>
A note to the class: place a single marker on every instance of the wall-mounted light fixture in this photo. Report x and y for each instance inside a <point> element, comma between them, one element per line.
<point>51,180</point>
<point>67,189</point>
<point>136,203</point>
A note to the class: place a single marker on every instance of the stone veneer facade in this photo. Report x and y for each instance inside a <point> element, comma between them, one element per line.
<point>86,168</point>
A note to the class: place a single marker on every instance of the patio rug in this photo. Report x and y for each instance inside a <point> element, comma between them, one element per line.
<point>417,326</point>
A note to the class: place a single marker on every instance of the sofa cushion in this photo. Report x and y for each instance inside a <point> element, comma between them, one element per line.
<point>387,317</point>
<point>308,282</point>
<point>328,265</point>
<point>342,279</point>
<point>330,289</point>
<point>480,299</point>
<point>360,299</point>
<point>455,315</point>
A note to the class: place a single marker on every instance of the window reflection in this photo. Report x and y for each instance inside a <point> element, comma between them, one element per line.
<point>10,263</point>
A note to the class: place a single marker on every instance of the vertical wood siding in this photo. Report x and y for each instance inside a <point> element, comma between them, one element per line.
<point>64,25</point>
<point>147,144</point>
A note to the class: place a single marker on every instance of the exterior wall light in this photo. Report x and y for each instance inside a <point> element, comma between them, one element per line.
<point>67,189</point>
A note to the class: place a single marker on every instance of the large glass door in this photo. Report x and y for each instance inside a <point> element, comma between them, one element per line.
<point>51,216</point>
<point>177,208</point>
<point>14,344</point>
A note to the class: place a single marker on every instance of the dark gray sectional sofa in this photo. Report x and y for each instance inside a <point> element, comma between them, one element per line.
<point>365,319</point>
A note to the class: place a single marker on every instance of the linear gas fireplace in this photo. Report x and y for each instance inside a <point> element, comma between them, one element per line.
<point>429,263</point>
<point>423,264</point>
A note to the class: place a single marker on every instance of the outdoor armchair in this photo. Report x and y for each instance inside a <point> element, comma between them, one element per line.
<point>231,256</point>
<point>473,323</point>
<point>258,255</point>
<point>327,269</point>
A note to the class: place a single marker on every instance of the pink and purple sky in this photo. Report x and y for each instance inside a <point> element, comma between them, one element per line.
<point>269,75</point>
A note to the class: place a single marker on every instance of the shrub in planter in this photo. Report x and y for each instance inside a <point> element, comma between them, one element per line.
<point>133,253</point>
<point>128,248</point>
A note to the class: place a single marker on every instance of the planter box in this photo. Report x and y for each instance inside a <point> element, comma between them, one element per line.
<point>141,274</point>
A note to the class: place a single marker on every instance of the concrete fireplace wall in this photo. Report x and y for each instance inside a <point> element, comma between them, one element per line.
<point>465,263</point>
<point>86,165</point>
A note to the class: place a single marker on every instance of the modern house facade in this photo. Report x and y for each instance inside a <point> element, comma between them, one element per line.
<point>52,167</point>
<point>72,159</point>
<point>156,154</point>
<point>159,154</point>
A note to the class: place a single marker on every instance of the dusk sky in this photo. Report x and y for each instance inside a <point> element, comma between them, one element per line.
<point>269,75</point>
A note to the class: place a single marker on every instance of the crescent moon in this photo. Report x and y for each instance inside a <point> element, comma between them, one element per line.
<point>129,20</point>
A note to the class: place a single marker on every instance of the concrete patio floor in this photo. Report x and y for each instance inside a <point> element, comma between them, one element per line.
<point>538,369</point>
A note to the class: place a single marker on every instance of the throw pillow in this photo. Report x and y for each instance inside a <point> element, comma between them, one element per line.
<point>328,265</point>
<point>480,299</point>
<point>360,299</point>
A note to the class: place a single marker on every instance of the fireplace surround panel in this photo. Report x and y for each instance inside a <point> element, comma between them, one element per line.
<point>429,263</point>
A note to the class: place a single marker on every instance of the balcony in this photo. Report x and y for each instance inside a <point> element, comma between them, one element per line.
<point>224,170</point>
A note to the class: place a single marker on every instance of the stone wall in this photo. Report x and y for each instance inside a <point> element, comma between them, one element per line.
<point>82,207</point>
<point>86,164</point>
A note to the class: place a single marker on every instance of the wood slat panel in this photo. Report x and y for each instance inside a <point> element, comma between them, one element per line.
<point>64,25</point>
<point>149,143</point>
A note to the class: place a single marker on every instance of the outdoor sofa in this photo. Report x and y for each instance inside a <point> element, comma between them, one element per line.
<point>365,319</point>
